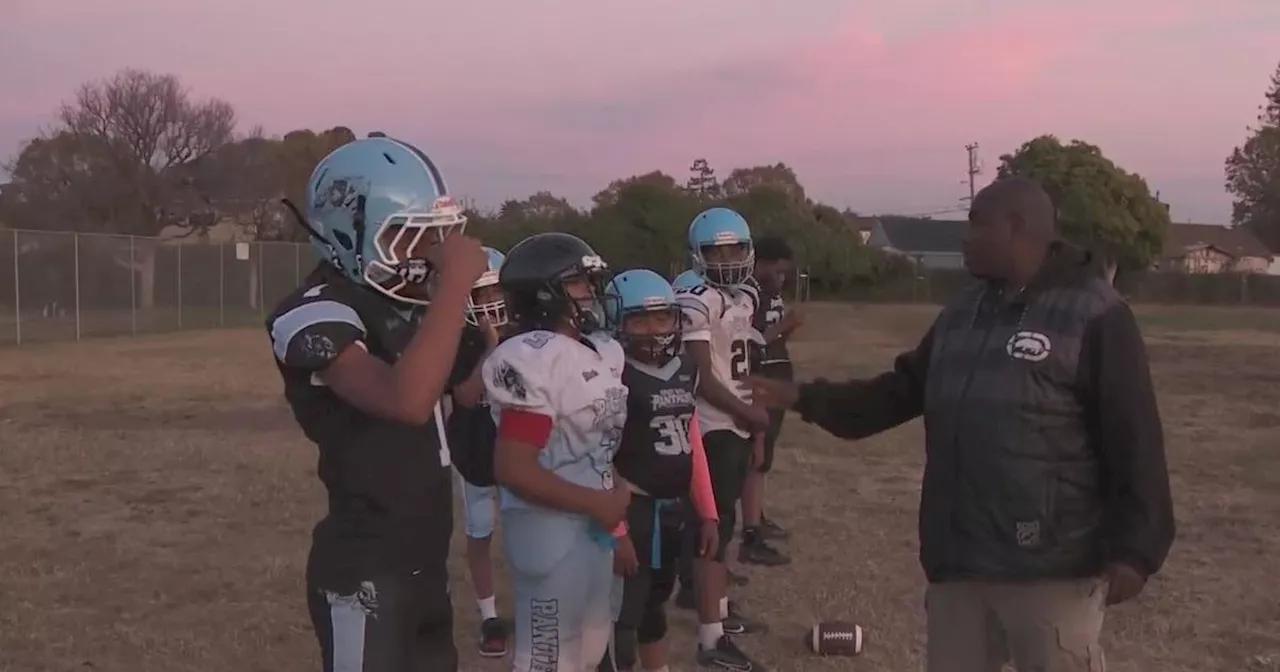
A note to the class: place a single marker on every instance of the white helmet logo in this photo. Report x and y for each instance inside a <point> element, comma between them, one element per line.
<point>1031,346</point>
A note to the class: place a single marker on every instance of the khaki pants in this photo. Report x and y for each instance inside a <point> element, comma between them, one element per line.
<point>1045,626</point>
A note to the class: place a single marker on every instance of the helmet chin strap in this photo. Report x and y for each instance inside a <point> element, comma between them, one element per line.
<point>357,224</point>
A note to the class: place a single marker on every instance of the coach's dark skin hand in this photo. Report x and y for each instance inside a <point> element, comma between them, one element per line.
<point>1123,582</point>
<point>773,393</point>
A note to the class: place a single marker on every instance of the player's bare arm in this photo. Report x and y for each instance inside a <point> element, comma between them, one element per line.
<point>719,395</point>
<point>408,390</point>
<point>516,467</point>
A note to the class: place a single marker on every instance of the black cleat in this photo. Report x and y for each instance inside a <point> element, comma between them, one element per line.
<point>737,624</point>
<point>727,656</point>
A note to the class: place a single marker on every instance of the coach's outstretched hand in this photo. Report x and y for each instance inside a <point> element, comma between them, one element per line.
<point>773,393</point>
<point>611,507</point>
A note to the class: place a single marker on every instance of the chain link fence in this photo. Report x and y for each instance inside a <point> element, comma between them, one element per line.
<point>70,286</point>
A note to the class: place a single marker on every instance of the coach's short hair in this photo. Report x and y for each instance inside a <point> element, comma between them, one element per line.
<point>772,248</point>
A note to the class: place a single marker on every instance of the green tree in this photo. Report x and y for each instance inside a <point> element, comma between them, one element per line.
<point>1253,173</point>
<point>779,176</point>
<point>1100,205</point>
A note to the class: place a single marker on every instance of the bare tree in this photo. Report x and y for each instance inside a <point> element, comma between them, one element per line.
<point>150,128</point>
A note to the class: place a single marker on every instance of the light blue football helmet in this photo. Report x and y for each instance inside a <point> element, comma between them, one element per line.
<point>720,227</point>
<point>493,312</point>
<point>370,204</point>
<point>640,291</point>
<point>686,281</point>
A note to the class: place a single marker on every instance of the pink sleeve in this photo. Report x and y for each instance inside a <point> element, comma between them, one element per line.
<point>703,497</point>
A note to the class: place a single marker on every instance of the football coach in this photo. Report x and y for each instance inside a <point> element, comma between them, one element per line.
<point>1046,495</point>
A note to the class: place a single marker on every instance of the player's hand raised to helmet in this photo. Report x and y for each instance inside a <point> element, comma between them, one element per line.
<point>459,258</point>
<point>611,509</point>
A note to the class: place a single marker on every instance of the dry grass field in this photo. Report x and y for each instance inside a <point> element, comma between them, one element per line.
<point>156,502</point>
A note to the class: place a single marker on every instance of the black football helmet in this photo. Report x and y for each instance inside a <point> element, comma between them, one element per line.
<point>533,278</point>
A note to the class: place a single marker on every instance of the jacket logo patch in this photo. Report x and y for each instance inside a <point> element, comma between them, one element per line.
<point>1029,533</point>
<point>1031,346</point>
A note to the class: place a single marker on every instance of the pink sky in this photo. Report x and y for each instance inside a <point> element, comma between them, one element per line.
<point>871,105</point>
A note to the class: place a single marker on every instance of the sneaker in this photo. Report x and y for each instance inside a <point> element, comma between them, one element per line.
<point>759,552</point>
<point>493,638</point>
<point>727,656</point>
<point>771,530</point>
<point>738,624</point>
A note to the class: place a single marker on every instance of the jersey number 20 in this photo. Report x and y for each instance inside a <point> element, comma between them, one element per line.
<point>672,434</point>
<point>739,362</point>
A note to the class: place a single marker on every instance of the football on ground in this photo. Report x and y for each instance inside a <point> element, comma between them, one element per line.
<point>836,638</point>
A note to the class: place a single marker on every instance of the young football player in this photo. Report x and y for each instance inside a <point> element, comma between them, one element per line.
<point>775,323</point>
<point>662,460</point>
<point>364,364</point>
<point>471,435</point>
<point>555,390</point>
<point>718,336</point>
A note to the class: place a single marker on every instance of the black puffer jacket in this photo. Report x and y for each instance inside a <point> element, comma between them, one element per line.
<point>1044,444</point>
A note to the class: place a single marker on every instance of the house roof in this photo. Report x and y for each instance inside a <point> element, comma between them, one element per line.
<point>1237,242</point>
<point>915,234</point>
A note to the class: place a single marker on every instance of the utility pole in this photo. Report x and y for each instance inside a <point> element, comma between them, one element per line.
<point>975,167</point>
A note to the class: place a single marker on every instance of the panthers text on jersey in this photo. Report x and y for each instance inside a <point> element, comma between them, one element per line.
<point>723,318</point>
<point>656,453</point>
<point>575,383</point>
<point>383,477</point>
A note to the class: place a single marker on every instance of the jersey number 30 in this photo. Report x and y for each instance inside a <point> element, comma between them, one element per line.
<point>672,434</point>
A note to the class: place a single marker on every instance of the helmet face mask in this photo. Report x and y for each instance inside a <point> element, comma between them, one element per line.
<point>377,205</point>
<point>646,318</point>
<point>651,335</point>
<point>583,296</point>
<point>487,304</point>
<point>399,267</point>
<point>727,264</point>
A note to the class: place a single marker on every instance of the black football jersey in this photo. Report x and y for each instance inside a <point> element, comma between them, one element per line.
<point>383,478</point>
<point>471,430</point>
<point>768,313</point>
<point>656,454</point>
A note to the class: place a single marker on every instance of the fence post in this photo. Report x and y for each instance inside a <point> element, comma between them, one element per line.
<point>133,291</point>
<point>75,246</point>
<point>17,300</point>
<point>179,246</point>
<point>297,267</point>
<point>261,281</point>
<point>222,302</point>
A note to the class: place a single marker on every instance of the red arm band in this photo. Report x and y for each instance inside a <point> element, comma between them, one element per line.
<point>704,499</point>
<point>620,531</point>
<point>526,427</point>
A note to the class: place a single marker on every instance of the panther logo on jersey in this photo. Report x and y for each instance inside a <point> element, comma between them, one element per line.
<point>508,378</point>
<point>610,407</point>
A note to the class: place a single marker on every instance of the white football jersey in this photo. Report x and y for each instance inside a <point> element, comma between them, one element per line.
<point>722,317</point>
<point>578,387</point>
